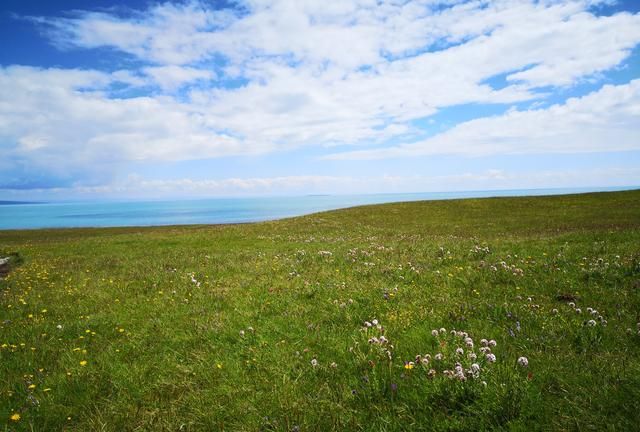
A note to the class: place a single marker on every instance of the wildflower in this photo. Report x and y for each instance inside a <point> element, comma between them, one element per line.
<point>408,365</point>
<point>492,343</point>
<point>374,322</point>
<point>578,310</point>
<point>31,387</point>
<point>475,368</point>
<point>554,311</point>
<point>314,362</point>
<point>572,304</point>
<point>484,342</point>
<point>59,326</point>
<point>472,356</point>
<point>523,361</point>
<point>83,363</point>
<point>469,342</point>
<point>491,358</point>
<point>434,333</point>
<point>591,323</point>
<point>367,324</point>
<point>459,351</point>
<point>333,365</point>
<point>431,373</point>
<point>15,417</point>
<point>443,330</point>
<point>242,333</point>
<point>438,356</point>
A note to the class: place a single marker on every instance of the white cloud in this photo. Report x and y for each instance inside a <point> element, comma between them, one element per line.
<point>315,73</point>
<point>63,118</point>
<point>605,120</point>
<point>135,186</point>
<point>173,77</point>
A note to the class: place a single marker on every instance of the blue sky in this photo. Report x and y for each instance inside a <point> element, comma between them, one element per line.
<point>141,99</point>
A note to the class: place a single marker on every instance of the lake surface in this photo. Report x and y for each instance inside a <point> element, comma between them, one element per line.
<point>216,211</point>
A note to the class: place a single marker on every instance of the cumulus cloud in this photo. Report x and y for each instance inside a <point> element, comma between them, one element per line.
<point>268,76</point>
<point>605,120</point>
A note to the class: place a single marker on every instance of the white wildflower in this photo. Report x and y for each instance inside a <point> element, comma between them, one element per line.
<point>523,361</point>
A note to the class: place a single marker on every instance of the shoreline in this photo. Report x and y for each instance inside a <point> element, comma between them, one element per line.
<point>276,219</point>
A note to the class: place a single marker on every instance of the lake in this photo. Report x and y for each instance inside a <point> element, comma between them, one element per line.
<point>218,210</point>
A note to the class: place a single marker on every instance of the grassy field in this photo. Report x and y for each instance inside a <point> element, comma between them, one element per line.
<point>332,321</point>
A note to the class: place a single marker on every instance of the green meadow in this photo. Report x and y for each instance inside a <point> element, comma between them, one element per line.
<point>396,317</point>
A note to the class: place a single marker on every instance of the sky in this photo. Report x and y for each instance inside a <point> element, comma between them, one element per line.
<point>149,100</point>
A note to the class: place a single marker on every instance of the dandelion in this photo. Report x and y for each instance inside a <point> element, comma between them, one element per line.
<point>523,361</point>
<point>491,358</point>
<point>15,417</point>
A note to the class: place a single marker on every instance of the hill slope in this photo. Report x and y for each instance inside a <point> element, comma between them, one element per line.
<point>324,322</point>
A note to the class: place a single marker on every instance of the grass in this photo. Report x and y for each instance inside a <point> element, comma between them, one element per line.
<point>218,327</point>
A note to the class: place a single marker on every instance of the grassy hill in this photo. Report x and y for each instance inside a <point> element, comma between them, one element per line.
<point>332,321</point>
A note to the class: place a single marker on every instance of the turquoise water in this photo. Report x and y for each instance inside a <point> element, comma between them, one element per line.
<point>215,211</point>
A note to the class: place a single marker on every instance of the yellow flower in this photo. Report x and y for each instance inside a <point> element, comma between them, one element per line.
<point>15,417</point>
<point>219,365</point>
<point>31,387</point>
<point>83,363</point>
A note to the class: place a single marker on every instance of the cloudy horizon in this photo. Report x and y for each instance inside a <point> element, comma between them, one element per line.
<point>142,100</point>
